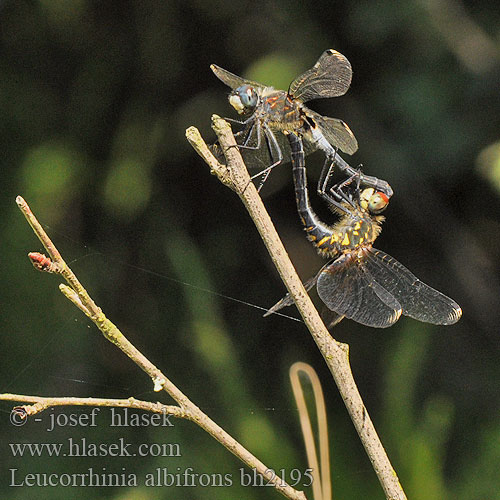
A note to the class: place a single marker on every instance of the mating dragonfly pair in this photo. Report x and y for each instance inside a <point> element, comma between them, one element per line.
<point>360,283</point>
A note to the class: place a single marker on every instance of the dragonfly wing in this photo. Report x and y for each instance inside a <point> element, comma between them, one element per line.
<point>419,301</point>
<point>287,299</point>
<point>232,80</point>
<point>330,318</point>
<point>329,77</point>
<point>335,131</point>
<point>348,288</point>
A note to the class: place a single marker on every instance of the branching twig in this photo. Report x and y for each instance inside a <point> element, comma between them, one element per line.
<point>77,294</point>
<point>336,354</point>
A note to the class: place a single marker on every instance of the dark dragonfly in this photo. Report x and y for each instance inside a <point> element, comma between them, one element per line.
<point>361,283</point>
<point>270,114</point>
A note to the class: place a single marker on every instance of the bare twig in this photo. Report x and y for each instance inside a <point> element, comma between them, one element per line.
<point>335,353</point>
<point>40,403</point>
<point>77,294</point>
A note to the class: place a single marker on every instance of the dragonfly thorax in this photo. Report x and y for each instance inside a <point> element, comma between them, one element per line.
<point>356,232</point>
<point>280,112</point>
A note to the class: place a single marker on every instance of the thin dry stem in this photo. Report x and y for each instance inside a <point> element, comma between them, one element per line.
<point>335,353</point>
<point>40,403</point>
<point>322,485</point>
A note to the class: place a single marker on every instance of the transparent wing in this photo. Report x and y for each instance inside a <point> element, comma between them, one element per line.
<point>329,77</point>
<point>335,131</point>
<point>347,288</point>
<point>419,301</point>
<point>232,80</point>
<point>330,318</point>
<point>262,157</point>
<point>287,299</point>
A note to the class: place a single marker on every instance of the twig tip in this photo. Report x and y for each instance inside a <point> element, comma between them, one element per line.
<point>192,132</point>
<point>219,124</point>
<point>43,263</point>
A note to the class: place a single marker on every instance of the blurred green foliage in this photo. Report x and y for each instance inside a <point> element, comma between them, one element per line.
<point>94,101</point>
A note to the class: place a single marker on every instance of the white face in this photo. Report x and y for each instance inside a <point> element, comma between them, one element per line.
<point>236,103</point>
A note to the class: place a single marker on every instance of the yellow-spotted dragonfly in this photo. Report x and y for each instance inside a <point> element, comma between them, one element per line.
<point>361,283</point>
<point>270,114</point>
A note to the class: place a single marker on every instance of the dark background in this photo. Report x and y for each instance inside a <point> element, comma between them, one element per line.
<point>95,98</point>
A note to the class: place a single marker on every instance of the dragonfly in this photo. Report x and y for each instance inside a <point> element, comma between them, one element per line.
<point>270,114</point>
<point>361,283</point>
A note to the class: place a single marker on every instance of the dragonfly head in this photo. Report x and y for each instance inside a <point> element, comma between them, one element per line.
<point>373,201</point>
<point>244,99</point>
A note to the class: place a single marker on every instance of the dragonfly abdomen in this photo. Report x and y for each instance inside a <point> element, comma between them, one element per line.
<point>321,235</point>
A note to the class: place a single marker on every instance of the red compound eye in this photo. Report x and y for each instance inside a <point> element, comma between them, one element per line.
<point>378,202</point>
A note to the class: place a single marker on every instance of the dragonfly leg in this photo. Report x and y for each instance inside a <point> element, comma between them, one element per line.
<point>335,195</point>
<point>248,135</point>
<point>239,122</point>
<point>366,180</point>
<point>275,154</point>
<point>254,129</point>
<point>326,173</point>
<point>273,146</point>
<point>257,128</point>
